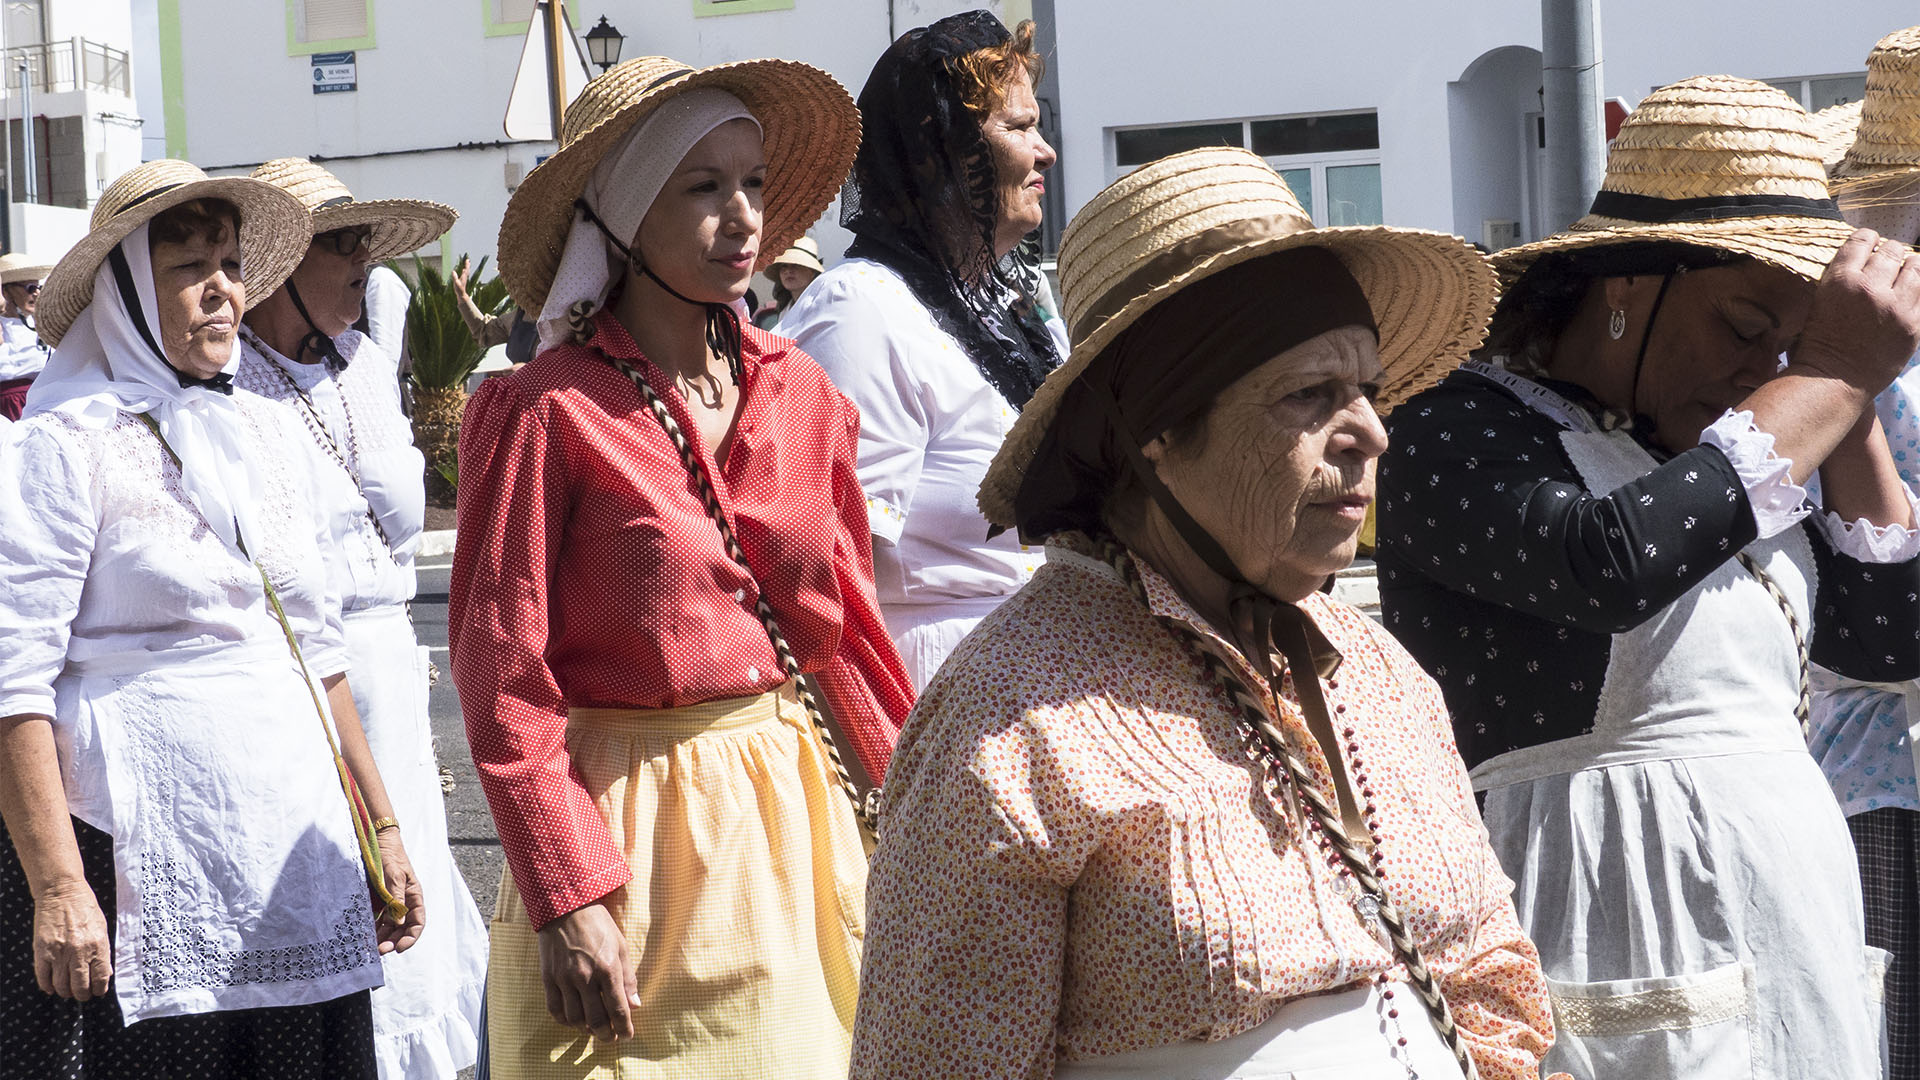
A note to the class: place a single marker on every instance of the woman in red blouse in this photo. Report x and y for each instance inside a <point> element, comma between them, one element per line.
<point>685,876</point>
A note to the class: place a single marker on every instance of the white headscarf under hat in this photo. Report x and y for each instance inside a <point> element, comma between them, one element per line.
<point>621,190</point>
<point>103,366</point>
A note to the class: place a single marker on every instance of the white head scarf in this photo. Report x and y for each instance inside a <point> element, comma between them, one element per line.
<point>104,366</point>
<point>621,190</point>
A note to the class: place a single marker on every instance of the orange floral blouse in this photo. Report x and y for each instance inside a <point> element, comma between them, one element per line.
<point>1077,858</point>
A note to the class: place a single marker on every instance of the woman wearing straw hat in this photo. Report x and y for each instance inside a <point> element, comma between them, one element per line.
<point>930,324</point>
<point>22,354</point>
<point>339,388</point>
<point>660,533</point>
<point>1123,837</point>
<point>1598,541</point>
<point>1863,733</point>
<point>792,272</point>
<point>171,676</point>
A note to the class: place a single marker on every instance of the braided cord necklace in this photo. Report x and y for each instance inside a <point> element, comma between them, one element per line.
<point>321,435</point>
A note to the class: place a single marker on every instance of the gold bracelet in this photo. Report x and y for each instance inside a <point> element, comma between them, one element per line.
<point>383,824</point>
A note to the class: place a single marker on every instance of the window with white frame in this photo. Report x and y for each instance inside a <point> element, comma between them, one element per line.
<point>1817,92</point>
<point>1330,160</point>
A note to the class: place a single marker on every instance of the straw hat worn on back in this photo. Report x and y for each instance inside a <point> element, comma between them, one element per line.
<point>1187,217</point>
<point>1715,162</point>
<point>1886,147</point>
<point>16,267</point>
<point>810,125</point>
<point>274,232</point>
<point>804,253</point>
<point>399,225</point>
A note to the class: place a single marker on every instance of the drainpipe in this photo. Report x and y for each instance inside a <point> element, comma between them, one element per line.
<point>1575,108</point>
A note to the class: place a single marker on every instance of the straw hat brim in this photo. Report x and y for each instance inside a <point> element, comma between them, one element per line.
<point>16,274</point>
<point>812,130</point>
<point>805,260</point>
<point>274,232</point>
<point>400,226</point>
<point>1431,295</point>
<point>1802,245</point>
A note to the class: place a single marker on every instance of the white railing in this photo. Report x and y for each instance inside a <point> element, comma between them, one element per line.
<point>74,64</point>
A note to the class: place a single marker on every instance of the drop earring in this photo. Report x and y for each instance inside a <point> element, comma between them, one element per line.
<point>1617,324</point>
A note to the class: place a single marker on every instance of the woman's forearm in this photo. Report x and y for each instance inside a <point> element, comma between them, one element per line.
<point>1860,480</point>
<point>1809,417</point>
<point>354,749</point>
<point>33,803</point>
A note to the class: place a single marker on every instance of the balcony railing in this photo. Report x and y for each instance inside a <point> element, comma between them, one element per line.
<point>74,64</point>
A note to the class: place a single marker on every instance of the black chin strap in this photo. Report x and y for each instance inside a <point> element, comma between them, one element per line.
<point>723,324</point>
<point>219,382</point>
<point>1640,358</point>
<point>316,342</point>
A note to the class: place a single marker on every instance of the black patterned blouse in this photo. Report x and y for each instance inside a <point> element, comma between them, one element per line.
<point>1506,579</point>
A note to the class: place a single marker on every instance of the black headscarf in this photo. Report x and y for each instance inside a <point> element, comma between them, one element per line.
<point>922,200</point>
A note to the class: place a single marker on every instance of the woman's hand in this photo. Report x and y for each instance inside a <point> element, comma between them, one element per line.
<point>460,277</point>
<point>589,979</point>
<point>1865,320</point>
<point>397,937</point>
<point>72,956</point>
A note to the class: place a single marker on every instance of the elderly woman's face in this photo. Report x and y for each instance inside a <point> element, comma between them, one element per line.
<point>702,233</point>
<point>334,286</point>
<point>22,295</point>
<point>1020,155</point>
<point>198,290</point>
<point>1718,335</point>
<point>1280,471</point>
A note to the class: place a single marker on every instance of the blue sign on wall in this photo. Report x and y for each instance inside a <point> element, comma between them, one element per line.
<point>333,72</point>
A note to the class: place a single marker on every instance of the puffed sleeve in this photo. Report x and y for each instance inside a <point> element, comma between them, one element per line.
<point>48,524</point>
<point>864,680</point>
<point>966,907</point>
<point>513,504</point>
<point>1476,493</point>
<point>840,323</point>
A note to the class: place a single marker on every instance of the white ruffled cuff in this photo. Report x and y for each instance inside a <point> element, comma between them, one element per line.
<point>1778,503</point>
<point>1863,541</point>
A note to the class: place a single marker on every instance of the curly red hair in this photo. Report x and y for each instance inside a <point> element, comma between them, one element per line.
<point>984,75</point>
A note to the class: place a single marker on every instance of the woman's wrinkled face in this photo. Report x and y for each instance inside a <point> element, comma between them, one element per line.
<point>1719,334</point>
<point>795,279</point>
<point>199,292</point>
<point>1020,156</point>
<point>1280,471</point>
<point>22,295</point>
<point>334,286</point>
<point>702,233</point>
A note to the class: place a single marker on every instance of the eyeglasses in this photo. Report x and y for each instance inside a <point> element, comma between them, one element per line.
<point>345,241</point>
<point>28,287</point>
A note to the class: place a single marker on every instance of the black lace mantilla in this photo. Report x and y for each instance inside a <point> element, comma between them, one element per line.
<point>922,201</point>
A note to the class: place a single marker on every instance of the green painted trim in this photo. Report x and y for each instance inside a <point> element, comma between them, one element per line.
<point>704,8</point>
<point>514,29</point>
<point>173,95</point>
<point>296,47</point>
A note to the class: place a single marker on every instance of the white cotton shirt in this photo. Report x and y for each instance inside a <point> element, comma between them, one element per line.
<point>375,441</point>
<point>387,299</point>
<point>21,354</point>
<point>930,424</point>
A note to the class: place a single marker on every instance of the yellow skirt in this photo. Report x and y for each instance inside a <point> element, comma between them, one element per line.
<point>745,914</point>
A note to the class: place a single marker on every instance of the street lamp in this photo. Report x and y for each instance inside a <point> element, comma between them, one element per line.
<point>603,44</point>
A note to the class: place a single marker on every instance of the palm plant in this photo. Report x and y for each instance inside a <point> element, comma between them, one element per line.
<point>444,355</point>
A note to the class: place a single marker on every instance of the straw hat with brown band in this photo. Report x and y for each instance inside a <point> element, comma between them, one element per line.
<point>274,231</point>
<point>17,267</point>
<point>399,225</point>
<point>811,129</point>
<point>1885,151</point>
<point>1171,226</point>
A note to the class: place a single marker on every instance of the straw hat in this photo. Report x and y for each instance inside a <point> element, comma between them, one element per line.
<point>804,253</point>
<point>1834,128</point>
<point>1887,146</point>
<point>17,266</point>
<point>1187,217</point>
<point>399,225</point>
<point>1716,162</point>
<point>811,126</point>
<point>274,231</point>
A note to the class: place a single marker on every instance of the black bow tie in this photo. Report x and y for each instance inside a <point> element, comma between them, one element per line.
<point>220,383</point>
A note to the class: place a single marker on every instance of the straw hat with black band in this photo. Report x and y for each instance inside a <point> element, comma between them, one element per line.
<point>1883,154</point>
<point>274,231</point>
<point>804,253</point>
<point>399,225</point>
<point>808,119</point>
<point>18,267</point>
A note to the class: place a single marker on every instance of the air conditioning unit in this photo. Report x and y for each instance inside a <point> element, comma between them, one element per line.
<point>1495,235</point>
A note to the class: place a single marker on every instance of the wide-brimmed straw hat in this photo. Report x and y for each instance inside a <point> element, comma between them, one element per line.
<point>803,253</point>
<point>18,266</point>
<point>1886,145</point>
<point>810,124</point>
<point>1834,128</point>
<point>1184,218</point>
<point>399,225</point>
<point>274,231</point>
<point>1714,162</point>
